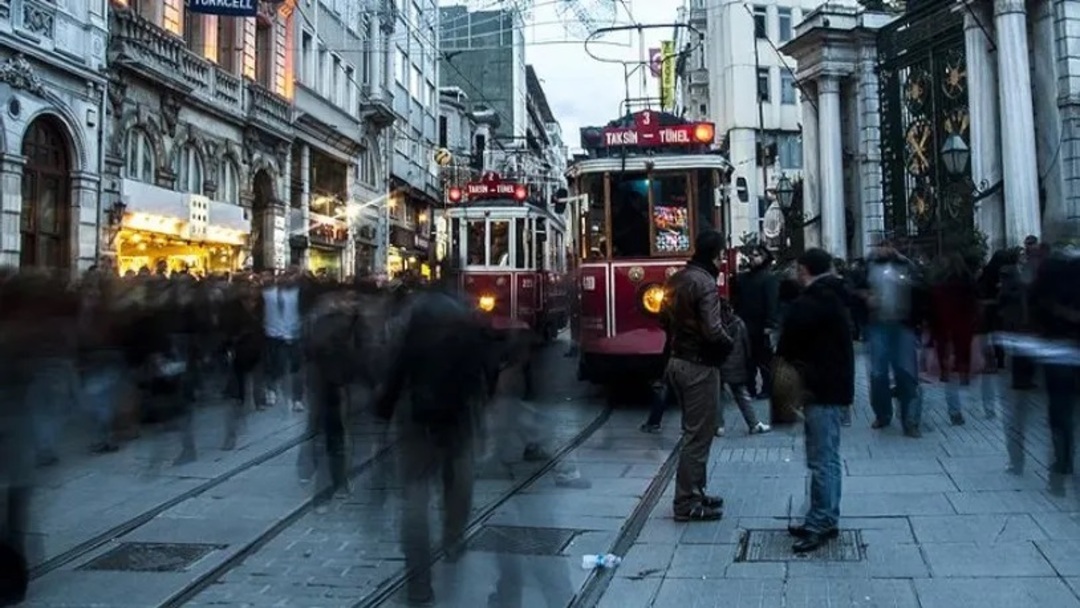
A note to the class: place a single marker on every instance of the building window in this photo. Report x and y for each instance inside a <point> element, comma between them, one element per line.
<point>415,88</point>
<point>787,88</point>
<point>189,171</point>
<point>140,157</point>
<point>431,97</point>
<point>307,59</point>
<point>264,53</point>
<point>785,21</point>
<point>443,132</point>
<point>365,58</point>
<point>401,67</point>
<point>763,85</point>
<point>761,16</point>
<point>350,89</point>
<point>335,82</point>
<point>320,79</point>
<point>228,52</point>
<point>195,32</point>
<point>229,183</point>
<point>789,151</point>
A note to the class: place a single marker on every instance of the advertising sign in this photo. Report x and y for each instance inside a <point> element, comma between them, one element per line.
<point>667,75</point>
<point>655,61</point>
<point>224,8</point>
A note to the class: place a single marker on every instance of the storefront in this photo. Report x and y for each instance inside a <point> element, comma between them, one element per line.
<point>408,253</point>
<point>327,239</point>
<point>180,231</point>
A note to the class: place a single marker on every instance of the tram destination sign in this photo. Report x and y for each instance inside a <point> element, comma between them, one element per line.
<point>647,131</point>
<point>224,8</point>
<point>492,185</point>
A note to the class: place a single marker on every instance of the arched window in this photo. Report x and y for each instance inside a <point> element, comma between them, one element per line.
<point>140,157</point>
<point>229,183</point>
<point>189,171</point>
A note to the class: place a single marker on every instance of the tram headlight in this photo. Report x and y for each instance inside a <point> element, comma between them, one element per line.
<point>486,303</point>
<point>652,299</point>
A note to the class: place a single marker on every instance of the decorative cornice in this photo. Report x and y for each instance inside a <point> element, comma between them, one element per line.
<point>828,84</point>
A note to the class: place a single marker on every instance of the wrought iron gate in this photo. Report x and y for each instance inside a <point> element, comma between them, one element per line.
<point>924,99</point>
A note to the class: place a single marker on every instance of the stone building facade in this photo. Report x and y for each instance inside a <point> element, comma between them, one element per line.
<point>198,138</point>
<point>52,93</point>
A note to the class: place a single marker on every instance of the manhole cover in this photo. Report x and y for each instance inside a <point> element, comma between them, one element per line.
<point>522,540</point>
<point>151,557</point>
<point>775,546</point>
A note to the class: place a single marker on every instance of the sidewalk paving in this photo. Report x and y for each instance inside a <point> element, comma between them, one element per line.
<point>86,495</point>
<point>940,521</point>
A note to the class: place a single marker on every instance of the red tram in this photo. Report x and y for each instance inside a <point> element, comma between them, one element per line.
<point>649,183</point>
<point>511,251</point>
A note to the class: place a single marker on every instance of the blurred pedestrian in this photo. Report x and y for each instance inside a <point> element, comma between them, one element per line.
<point>738,369</point>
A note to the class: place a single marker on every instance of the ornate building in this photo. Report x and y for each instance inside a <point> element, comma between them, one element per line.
<point>52,93</point>
<point>199,134</point>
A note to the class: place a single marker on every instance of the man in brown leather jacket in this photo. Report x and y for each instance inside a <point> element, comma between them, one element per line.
<point>696,343</point>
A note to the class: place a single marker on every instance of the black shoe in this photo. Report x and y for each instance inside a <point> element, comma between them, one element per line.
<point>956,419</point>
<point>650,428</point>
<point>700,513</point>
<point>420,596</point>
<point>913,432</point>
<point>879,424</point>
<point>811,542</point>
<point>804,532</point>
<point>535,453</point>
<point>712,502</point>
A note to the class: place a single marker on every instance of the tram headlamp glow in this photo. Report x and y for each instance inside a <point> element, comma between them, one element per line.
<point>486,303</point>
<point>652,299</point>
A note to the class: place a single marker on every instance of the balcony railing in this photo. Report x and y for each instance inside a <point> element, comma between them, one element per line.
<point>138,44</point>
<point>268,110</point>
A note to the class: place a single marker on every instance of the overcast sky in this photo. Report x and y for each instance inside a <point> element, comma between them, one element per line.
<point>581,90</point>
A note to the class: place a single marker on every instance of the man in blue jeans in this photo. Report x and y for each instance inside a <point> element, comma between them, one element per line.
<point>816,340</point>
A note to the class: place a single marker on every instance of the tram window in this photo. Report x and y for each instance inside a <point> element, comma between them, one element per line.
<point>706,203</point>
<point>524,243</point>
<point>455,241</point>
<point>500,244</point>
<point>630,216</point>
<point>593,224</point>
<point>671,214</point>
<point>476,242</point>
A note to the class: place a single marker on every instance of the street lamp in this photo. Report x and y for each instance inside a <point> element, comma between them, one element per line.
<point>785,192</point>
<point>955,154</point>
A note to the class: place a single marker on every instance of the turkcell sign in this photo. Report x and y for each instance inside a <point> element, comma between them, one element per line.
<point>225,8</point>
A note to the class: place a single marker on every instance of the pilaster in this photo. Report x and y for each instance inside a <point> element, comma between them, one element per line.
<point>1049,135</point>
<point>833,224</point>
<point>985,119</point>
<point>1066,19</point>
<point>1022,216</point>
<point>11,170</point>
<point>85,221</point>
<point>305,199</point>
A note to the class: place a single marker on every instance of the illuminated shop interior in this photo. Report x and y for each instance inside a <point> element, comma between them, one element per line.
<point>145,240</point>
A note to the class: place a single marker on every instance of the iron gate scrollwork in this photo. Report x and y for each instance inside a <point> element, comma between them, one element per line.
<point>924,99</point>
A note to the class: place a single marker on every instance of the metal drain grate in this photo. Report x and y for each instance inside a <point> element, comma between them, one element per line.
<point>151,557</point>
<point>775,546</point>
<point>522,540</point>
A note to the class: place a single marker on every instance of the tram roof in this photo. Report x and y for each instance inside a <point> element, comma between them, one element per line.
<point>640,164</point>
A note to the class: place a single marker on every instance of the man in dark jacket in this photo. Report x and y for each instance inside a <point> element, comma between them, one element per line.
<point>816,340</point>
<point>697,342</point>
<point>756,302</point>
<point>442,362</point>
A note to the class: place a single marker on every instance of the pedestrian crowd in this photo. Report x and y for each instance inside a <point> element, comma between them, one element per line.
<point>949,320</point>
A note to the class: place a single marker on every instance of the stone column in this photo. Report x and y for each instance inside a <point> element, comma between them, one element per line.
<point>983,107</point>
<point>871,208</point>
<point>305,200</point>
<point>86,220</point>
<point>811,170</point>
<point>833,219</point>
<point>1022,215</point>
<point>11,171</point>
<point>1066,23</point>
<point>348,262</point>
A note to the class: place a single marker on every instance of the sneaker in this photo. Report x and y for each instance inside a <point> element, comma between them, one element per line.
<point>650,428</point>
<point>719,431</point>
<point>760,428</point>
<point>271,398</point>
<point>700,513</point>
<point>298,406</point>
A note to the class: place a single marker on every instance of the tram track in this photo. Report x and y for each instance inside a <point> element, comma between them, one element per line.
<point>385,592</point>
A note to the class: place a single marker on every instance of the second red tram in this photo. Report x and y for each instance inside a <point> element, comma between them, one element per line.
<point>510,250</point>
<point>649,184</point>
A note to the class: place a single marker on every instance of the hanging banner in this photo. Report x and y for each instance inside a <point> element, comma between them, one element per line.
<point>667,75</point>
<point>655,62</point>
<point>224,8</point>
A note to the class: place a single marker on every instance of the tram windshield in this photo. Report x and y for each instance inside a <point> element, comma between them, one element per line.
<point>513,243</point>
<point>653,214</point>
